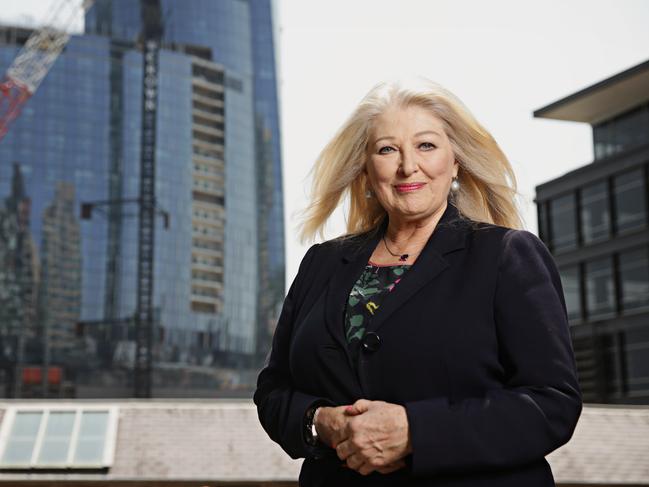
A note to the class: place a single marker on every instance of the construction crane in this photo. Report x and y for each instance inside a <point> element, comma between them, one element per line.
<point>150,41</point>
<point>24,76</point>
<point>144,323</point>
<point>35,59</point>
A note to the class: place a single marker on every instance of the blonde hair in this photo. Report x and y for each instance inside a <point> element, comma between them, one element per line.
<point>487,180</point>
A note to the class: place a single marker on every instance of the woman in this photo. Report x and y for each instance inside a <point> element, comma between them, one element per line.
<point>429,345</point>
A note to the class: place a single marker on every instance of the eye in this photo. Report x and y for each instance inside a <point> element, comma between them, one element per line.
<point>427,145</point>
<point>385,147</point>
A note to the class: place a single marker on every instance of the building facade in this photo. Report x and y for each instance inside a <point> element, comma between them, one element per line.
<point>595,220</point>
<point>219,252</point>
<point>239,36</point>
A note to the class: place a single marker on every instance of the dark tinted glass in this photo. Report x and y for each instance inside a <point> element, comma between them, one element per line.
<point>572,291</point>
<point>630,206</point>
<point>595,215</point>
<point>600,287</point>
<point>634,279</point>
<point>563,223</point>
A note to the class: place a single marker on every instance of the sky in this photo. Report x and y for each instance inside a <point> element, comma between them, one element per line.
<point>502,58</point>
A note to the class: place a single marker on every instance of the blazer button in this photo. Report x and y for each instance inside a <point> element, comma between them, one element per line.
<point>371,342</point>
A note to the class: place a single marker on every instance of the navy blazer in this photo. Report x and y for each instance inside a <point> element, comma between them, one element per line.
<point>473,342</point>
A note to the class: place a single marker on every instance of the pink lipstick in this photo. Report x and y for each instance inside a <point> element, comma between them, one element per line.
<point>407,188</point>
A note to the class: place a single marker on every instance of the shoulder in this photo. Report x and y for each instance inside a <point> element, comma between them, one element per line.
<point>318,264</point>
<point>322,258</point>
<point>308,258</point>
<point>523,251</point>
<point>504,243</point>
<point>504,236</point>
<point>519,254</point>
<point>321,255</point>
<point>517,258</point>
<point>345,244</point>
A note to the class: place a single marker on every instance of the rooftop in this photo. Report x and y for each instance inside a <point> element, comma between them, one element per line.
<point>603,100</point>
<point>162,442</point>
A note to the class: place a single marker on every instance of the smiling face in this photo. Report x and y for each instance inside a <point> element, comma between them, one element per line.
<point>410,163</point>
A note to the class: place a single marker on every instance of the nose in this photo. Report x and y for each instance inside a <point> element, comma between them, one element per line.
<point>408,162</point>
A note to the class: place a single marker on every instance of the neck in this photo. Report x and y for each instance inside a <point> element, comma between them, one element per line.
<point>406,234</point>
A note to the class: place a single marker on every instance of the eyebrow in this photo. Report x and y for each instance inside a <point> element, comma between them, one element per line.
<point>416,135</point>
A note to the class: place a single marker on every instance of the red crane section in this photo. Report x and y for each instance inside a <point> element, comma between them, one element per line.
<point>35,59</point>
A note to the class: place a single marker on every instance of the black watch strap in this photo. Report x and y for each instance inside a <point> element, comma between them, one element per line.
<point>308,424</point>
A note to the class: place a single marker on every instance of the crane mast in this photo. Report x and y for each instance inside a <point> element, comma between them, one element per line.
<point>144,322</point>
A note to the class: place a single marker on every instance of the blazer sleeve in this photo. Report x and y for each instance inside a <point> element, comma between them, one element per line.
<point>281,408</point>
<point>537,409</point>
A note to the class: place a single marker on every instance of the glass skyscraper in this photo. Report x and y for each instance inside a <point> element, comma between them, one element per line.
<point>68,297</point>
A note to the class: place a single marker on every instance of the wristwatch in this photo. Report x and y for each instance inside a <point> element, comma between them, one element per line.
<point>310,433</point>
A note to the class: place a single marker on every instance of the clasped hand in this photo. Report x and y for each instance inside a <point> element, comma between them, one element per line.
<point>368,435</point>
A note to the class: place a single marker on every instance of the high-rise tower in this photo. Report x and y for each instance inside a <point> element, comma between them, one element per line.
<point>219,266</point>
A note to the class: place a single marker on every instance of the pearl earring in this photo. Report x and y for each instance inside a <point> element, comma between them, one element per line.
<point>455,184</point>
<point>368,194</point>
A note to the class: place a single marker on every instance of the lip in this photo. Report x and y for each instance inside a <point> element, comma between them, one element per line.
<point>405,188</point>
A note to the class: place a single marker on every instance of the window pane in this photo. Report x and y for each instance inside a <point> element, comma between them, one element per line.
<point>92,436</point>
<point>58,433</point>
<point>628,130</point>
<point>637,358</point>
<point>571,291</point>
<point>600,291</point>
<point>607,350</point>
<point>604,136</point>
<point>562,213</point>
<point>595,218</point>
<point>634,278</point>
<point>22,437</point>
<point>629,200</point>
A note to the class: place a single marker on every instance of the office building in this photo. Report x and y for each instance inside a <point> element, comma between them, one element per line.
<point>68,323</point>
<point>595,220</point>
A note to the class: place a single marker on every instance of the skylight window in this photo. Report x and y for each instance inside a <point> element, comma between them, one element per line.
<point>58,437</point>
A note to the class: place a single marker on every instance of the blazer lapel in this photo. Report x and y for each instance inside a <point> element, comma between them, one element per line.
<point>449,234</point>
<point>355,254</point>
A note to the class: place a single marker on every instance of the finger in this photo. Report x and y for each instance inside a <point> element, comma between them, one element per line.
<point>394,466</point>
<point>344,449</point>
<point>348,447</point>
<point>362,405</point>
<point>338,437</point>
<point>337,440</point>
<point>356,461</point>
<point>366,466</point>
<point>365,469</point>
<point>352,411</point>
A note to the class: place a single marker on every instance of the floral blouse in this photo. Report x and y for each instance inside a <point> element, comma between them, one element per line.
<point>374,284</point>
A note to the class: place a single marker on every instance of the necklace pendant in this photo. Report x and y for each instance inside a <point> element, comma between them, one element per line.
<point>403,257</point>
